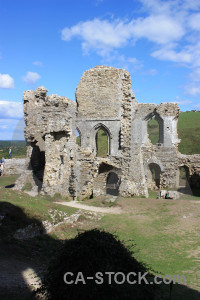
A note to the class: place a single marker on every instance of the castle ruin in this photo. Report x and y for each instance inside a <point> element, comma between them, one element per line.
<point>104,100</point>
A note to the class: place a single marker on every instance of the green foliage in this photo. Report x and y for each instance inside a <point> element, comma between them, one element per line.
<point>18,149</point>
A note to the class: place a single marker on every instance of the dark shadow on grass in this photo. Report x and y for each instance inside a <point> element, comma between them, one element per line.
<point>98,251</point>
<point>10,186</point>
<point>21,250</point>
<point>90,252</point>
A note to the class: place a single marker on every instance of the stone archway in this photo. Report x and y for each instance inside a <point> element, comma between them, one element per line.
<point>112,184</point>
<point>155,174</point>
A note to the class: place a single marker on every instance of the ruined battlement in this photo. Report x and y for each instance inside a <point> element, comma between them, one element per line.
<point>104,101</point>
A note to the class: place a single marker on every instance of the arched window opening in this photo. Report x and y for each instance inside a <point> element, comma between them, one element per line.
<point>183,176</point>
<point>155,130</point>
<point>78,138</point>
<point>102,143</point>
<point>155,174</point>
<point>112,184</point>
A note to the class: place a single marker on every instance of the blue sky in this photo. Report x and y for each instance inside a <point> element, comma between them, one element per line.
<point>52,42</point>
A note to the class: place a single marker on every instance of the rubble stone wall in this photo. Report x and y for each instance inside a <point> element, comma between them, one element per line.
<point>104,100</point>
<point>15,166</point>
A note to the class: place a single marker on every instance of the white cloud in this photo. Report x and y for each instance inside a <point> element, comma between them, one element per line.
<point>171,26</point>
<point>105,35</point>
<point>197,106</point>
<point>195,75</point>
<point>6,81</point>
<point>38,63</point>
<point>98,2</point>
<point>11,129</point>
<point>150,72</point>
<point>192,89</point>
<point>101,35</point>
<point>11,110</point>
<point>194,21</point>
<point>180,101</point>
<point>168,53</point>
<point>31,77</point>
<point>160,29</point>
<point>184,102</point>
<point>193,86</point>
<point>18,132</point>
<point>121,61</point>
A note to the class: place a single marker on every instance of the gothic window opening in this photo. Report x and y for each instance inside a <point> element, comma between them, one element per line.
<point>102,143</point>
<point>155,130</point>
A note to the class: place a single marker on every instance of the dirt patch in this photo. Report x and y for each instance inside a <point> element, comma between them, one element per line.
<point>104,210</point>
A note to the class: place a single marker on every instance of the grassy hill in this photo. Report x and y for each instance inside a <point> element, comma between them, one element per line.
<point>188,132</point>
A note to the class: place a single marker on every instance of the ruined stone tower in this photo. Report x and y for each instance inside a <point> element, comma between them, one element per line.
<point>104,100</point>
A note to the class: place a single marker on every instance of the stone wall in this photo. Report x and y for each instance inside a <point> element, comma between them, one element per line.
<point>15,166</point>
<point>104,100</point>
<point>51,141</point>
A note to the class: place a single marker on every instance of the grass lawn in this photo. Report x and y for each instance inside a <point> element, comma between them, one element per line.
<point>164,234</point>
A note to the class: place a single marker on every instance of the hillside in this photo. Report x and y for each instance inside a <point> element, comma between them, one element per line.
<point>188,132</point>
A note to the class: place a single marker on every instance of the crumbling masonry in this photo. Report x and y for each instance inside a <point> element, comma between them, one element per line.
<point>104,100</point>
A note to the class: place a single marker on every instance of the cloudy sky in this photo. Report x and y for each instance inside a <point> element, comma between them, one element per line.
<point>52,42</point>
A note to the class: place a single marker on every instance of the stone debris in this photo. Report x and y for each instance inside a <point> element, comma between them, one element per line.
<point>57,218</point>
<point>111,199</point>
<point>172,195</point>
<point>28,232</point>
<point>55,164</point>
<point>15,166</point>
<point>164,194</point>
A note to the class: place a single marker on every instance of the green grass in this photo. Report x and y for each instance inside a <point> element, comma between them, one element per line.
<point>189,132</point>
<point>164,253</point>
<point>7,180</point>
<point>153,229</point>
